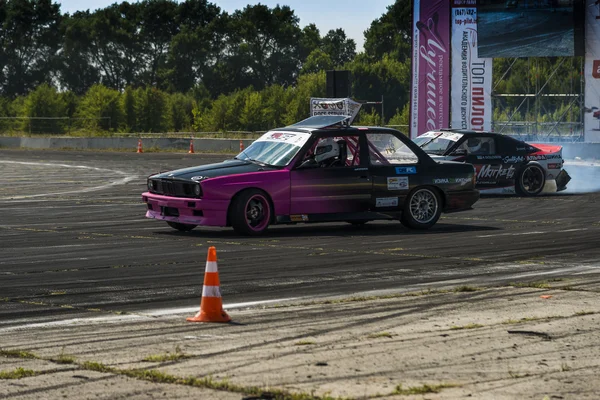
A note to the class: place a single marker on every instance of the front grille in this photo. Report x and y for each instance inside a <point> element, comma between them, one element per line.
<point>173,188</point>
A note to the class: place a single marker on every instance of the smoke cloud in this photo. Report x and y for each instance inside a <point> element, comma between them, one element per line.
<point>585,176</point>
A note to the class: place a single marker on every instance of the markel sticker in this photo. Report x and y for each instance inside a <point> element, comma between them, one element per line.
<point>386,202</point>
<point>397,183</point>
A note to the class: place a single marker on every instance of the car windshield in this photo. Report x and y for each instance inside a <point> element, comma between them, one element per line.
<point>437,142</point>
<point>275,148</point>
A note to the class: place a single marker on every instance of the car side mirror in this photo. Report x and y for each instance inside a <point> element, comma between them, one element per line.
<point>459,152</point>
<point>310,163</point>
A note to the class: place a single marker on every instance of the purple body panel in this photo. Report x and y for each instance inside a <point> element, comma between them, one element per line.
<point>218,194</point>
<point>316,191</point>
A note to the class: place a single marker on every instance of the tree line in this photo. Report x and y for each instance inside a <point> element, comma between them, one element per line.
<point>162,65</point>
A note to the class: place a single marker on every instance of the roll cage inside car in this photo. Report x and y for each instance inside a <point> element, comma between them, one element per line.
<point>367,149</point>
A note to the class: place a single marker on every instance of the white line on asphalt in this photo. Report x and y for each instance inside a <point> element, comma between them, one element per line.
<point>533,233</point>
<point>127,178</point>
<point>136,316</point>
<point>512,234</point>
<point>173,311</point>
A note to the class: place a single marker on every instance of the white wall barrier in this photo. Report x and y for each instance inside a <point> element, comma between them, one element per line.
<point>148,144</point>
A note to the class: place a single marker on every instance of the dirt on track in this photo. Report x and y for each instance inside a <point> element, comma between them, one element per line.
<point>491,343</point>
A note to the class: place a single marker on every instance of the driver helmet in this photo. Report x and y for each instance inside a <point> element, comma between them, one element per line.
<point>474,145</point>
<point>327,149</point>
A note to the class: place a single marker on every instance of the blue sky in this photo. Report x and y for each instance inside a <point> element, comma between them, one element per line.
<point>354,16</point>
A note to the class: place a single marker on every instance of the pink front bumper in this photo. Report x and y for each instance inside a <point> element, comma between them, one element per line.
<point>190,210</point>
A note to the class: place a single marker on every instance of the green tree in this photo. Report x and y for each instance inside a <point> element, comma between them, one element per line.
<point>317,61</point>
<point>387,77</point>
<point>129,115</point>
<point>264,43</point>
<point>181,113</point>
<point>197,46</point>
<point>251,116</point>
<point>310,40</point>
<point>152,110</point>
<point>29,41</point>
<point>274,99</point>
<point>43,102</point>
<point>100,109</point>
<point>75,70</point>
<point>214,119</point>
<point>340,48</point>
<point>391,33</point>
<point>298,105</point>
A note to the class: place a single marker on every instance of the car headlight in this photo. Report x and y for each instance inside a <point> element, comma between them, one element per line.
<point>150,186</point>
<point>197,190</point>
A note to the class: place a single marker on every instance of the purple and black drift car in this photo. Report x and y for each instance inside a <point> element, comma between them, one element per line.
<point>318,170</point>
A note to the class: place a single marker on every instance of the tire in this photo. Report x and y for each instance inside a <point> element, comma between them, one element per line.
<point>530,180</point>
<point>181,227</point>
<point>422,208</point>
<point>251,212</point>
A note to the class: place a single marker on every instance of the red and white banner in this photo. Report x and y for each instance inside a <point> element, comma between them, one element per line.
<point>430,93</point>
<point>471,76</point>
<point>591,122</point>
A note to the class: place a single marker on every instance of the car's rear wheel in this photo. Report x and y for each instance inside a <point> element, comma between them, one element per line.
<point>250,212</point>
<point>181,227</point>
<point>531,180</point>
<point>422,208</point>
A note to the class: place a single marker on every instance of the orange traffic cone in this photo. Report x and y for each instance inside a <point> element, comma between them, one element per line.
<point>241,146</point>
<point>191,146</point>
<point>139,148</point>
<point>211,305</point>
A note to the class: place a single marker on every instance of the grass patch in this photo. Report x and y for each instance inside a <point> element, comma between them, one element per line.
<point>468,326</point>
<point>424,389</point>
<point>17,354</point>
<point>63,358</point>
<point>536,285</point>
<point>178,355</point>
<point>305,343</point>
<point>519,321</point>
<point>516,375</point>
<point>17,373</point>
<point>96,366</point>
<point>380,335</point>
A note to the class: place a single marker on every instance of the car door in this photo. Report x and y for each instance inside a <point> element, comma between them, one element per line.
<point>482,152</point>
<point>394,169</point>
<point>343,187</point>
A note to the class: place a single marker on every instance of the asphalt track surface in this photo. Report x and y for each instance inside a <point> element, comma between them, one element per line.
<point>74,243</point>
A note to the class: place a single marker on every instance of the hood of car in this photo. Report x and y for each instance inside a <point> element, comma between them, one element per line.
<point>227,167</point>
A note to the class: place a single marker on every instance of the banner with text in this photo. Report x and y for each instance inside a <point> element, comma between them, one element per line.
<point>430,92</point>
<point>471,76</point>
<point>591,122</point>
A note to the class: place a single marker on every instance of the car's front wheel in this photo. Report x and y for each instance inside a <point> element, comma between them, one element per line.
<point>181,227</point>
<point>531,180</point>
<point>251,212</point>
<point>422,208</point>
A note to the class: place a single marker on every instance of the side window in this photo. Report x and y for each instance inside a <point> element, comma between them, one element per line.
<point>330,152</point>
<point>480,146</point>
<point>387,149</point>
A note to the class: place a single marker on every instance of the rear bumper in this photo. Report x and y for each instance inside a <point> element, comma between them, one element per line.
<point>186,210</point>
<point>460,201</point>
<point>562,179</point>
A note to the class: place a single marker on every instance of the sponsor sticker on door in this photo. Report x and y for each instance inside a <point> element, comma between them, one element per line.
<point>386,202</point>
<point>397,183</point>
